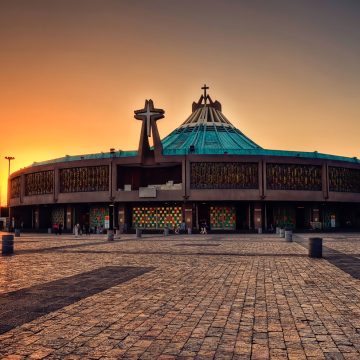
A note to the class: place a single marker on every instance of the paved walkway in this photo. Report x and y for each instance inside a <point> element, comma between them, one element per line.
<point>180,297</point>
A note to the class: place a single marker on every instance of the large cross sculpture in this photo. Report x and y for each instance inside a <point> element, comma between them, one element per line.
<point>148,115</point>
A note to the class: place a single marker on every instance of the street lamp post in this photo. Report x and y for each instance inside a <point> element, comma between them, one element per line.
<point>9,158</point>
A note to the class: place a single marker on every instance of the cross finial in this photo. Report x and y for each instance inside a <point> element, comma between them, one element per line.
<point>205,88</point>
<point>148,115</point>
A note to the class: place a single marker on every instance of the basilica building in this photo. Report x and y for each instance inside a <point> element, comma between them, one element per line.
<point>206,170</point>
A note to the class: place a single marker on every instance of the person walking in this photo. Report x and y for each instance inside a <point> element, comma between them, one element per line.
<point>203,227</point>
<point>182,227</point>
<point>76,230</point>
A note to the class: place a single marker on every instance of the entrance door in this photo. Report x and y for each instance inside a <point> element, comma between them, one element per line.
<point>82,215</point>
<point>242,214</point>
<point>203,214</point>
<point>300,218</point>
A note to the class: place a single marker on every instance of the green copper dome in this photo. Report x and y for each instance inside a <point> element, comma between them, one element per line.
<point>206,131</point>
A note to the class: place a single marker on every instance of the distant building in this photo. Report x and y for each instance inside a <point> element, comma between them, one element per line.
<point>206,170</point>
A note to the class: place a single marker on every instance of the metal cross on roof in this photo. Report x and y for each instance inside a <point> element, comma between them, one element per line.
<point>205,88</point>
<point>205,95</point>
<point>148,114</point>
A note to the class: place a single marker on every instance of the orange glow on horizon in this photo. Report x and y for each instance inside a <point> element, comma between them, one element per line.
<point>71,75</point>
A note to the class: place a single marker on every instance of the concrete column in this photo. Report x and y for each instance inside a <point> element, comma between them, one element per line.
<point>325,180</point>
<point>248,217</point>
<point>113,180</point>
<point>110,180</point>
<point>22,188</point>
<point>264,178</point>
<point>189,216</point>
<point>258,216</point>
<point>121,217</point>
<point>261,179</point>
<point>36,217</point>
<point>68,218</point>
<point>56,184</point>
<point>265,217</point>
<point>186,178</point>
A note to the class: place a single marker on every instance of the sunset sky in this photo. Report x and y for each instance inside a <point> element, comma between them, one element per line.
<point>73,71</point>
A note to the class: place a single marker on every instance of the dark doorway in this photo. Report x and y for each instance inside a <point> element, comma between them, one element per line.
<point>82,215</point>
<point>270,224</point>
<point>45,217</point>
<point>242,213</point>
<point>203,214</point>
<point>300,217</point>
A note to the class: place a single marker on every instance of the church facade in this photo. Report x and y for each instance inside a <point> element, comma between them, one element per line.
<point>206,170</point>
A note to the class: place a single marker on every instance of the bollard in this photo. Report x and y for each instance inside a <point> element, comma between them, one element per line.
<point>110,235</point>
<point>259,230</point>
<point>49,231</point>
<point>282,233</point>
<point>189,231</point>
<point>17,232</point>
<point>166,231</point>
<point>277,230</point>
<point>138,232</point>
<point>7,245</point>
<point>315,248</point>
<point>288,235</point>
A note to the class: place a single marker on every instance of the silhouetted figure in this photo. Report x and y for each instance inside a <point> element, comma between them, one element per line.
<point>203,227</point>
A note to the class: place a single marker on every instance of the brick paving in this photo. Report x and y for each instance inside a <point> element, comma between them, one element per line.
<point>199,297</point>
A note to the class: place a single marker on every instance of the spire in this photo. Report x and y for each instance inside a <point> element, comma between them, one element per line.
<point>205,100</point>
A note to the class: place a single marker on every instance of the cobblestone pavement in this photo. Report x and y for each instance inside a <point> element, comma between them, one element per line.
<point>180,297</point>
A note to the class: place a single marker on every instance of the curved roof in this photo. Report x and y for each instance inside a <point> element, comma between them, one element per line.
<point>206,129</point>
<point>96,156</point>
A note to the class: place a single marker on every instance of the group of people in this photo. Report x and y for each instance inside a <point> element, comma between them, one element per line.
<point>180,229</point>
<point>78,230</point>
<point>58,228</point>
<point>203,227</point>
<point>85,229</point>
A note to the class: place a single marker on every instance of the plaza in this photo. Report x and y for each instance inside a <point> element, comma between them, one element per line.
<point>215,296</point>
<point>180,180</point>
